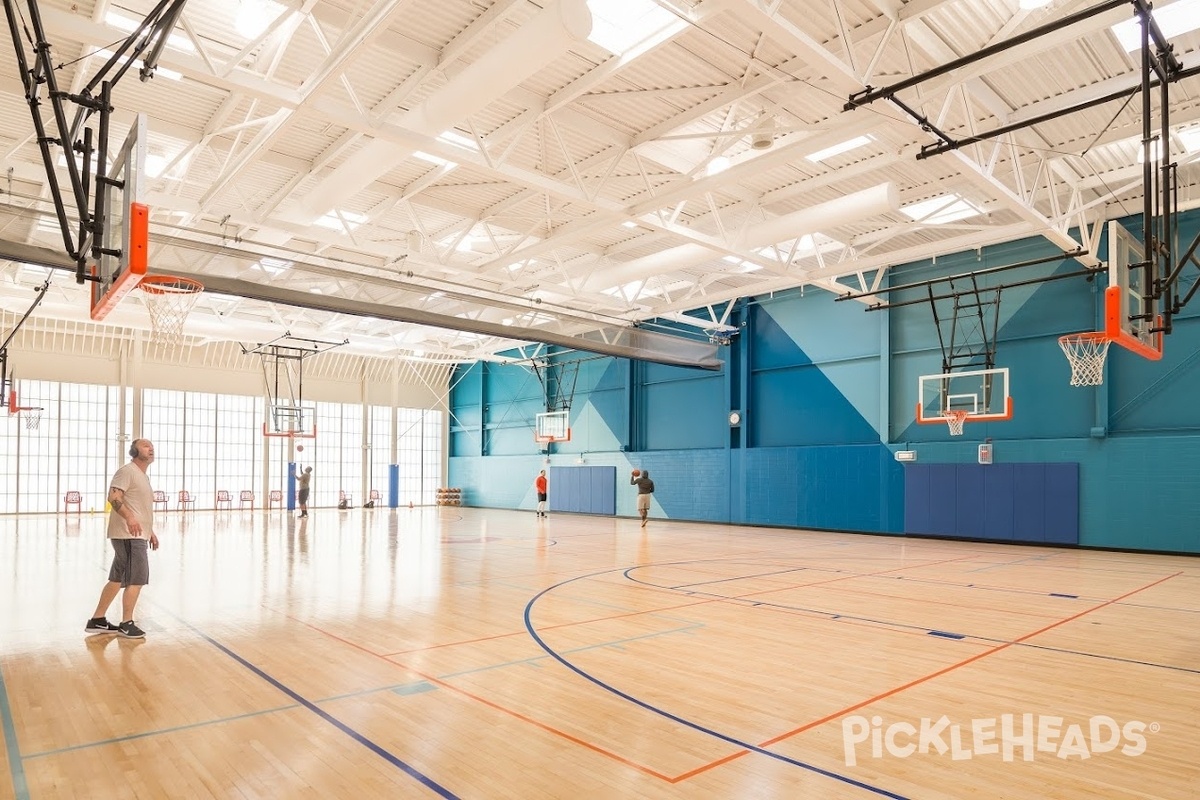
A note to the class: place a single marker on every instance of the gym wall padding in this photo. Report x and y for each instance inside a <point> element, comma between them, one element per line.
<point>1003,502</point>
<point>584,489</point>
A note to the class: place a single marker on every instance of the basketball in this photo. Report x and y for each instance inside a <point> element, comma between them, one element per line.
<point>637,472</point>
<point>299,448</point>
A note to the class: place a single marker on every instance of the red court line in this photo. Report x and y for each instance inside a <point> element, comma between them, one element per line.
<point>515,714</point>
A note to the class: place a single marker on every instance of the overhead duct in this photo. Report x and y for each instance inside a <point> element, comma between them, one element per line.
<point>881,199</point>
<point>541,40</point>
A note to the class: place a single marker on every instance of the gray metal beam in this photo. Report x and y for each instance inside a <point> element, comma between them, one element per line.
<point>622,342</point>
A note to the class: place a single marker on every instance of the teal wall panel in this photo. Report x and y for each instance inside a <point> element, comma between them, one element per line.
<point>824,409</point>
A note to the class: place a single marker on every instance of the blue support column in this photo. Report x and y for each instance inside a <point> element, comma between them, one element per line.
<point>393,485</point>
<point>290,498</point>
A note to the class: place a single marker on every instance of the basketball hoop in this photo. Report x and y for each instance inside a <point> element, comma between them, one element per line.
<point>955,417</point>
<point>169,299</point>
<point>1086,352</point>
<point>32,416</point>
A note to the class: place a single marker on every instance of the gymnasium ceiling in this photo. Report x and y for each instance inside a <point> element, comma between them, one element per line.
<point>486,161</point>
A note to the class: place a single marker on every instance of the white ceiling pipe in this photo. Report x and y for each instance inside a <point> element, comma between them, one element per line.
<point>546,37</point>
<point>881,199</point>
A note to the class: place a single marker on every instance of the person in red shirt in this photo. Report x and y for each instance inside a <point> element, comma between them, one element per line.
<point>542,486</point>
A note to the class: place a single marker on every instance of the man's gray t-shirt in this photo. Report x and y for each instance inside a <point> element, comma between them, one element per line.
<point>139,497</point>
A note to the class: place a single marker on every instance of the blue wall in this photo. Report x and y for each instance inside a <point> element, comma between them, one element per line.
<point>828,392</point>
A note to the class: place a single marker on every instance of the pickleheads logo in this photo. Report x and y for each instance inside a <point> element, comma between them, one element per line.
<point>1009,736</point>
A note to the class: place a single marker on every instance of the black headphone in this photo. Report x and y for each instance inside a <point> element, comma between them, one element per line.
<point>133,453</point>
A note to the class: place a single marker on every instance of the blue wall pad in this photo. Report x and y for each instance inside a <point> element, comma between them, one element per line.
<point>585,490</point>
<point>1006,502</point>
<point>393,485</point>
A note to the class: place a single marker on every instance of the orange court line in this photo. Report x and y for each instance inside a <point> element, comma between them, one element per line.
<point>931,676</point>
<point>515,714</point>
<point>563,734</point>
<point>962,663</point>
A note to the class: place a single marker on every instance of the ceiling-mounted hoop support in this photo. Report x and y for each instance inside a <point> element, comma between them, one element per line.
<point>282,361</point>
<point>83,237</point>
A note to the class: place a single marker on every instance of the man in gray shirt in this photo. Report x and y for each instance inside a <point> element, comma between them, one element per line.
<point>131,531</point>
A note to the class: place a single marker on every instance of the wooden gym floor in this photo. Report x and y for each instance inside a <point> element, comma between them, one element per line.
<point>484,654</point>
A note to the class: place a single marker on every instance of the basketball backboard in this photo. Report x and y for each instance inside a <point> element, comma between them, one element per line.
<point>124,236</point>
<point>552,426</point>
<point>1130,312</point>
<point>291,421</point>
<point>981,393</point>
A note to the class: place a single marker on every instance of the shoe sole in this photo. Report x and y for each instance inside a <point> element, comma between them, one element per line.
<point>132,635</point>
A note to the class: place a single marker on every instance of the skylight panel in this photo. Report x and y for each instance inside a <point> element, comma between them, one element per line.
<point>620,25</point>
<point>432,159</point>
<point>940,210</point>
<point>838,149</point>
<point>1190,137</point>
<point>175,41</point>
<point>159,70</point>
<point>457,139</point>
<point>272,266</point>
<point>1179,17</point>
<point>255,16</point>
<point>342,221</point>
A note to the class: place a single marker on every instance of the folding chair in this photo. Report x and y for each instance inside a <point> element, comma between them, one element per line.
<point>160,497</point>
<point>76,499</point>
<point>247,496</point>
<point>186,499</point>
<point>276,496</point>
<point>223,497</point>
<point>374,498</point>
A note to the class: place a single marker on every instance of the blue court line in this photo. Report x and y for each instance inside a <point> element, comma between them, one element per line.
<point>144,734</point>
<point>344,728</point>
<point>674,718</point>
<point>16,766</point>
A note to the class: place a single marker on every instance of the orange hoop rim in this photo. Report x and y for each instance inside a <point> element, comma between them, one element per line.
<point>1085,336</point>
<point>170,284</point>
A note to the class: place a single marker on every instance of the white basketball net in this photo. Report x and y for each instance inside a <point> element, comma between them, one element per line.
<point>954,419</point>
<point>169,302</point>
<point>1086,353</point>
<point>33,416</point>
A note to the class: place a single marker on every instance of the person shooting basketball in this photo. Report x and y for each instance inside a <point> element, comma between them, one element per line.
<point>645,487</point>
<point>303,484</point>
